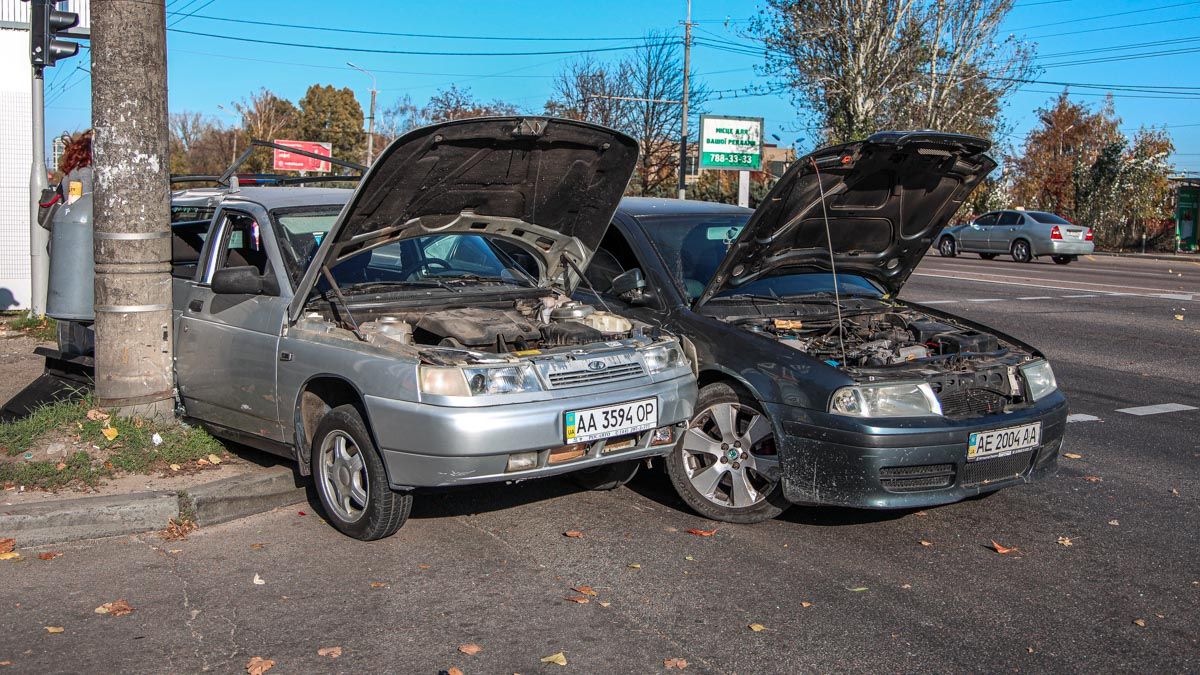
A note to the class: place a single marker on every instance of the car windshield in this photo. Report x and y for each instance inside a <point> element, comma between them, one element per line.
<point>1048,218</point>
<point>693,246</point>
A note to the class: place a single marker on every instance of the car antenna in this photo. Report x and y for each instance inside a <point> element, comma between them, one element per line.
<point>837,296</point>
<point>568,263</point>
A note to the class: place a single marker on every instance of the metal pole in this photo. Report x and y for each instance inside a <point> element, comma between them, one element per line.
<point>39,237</point>
<point>683,126</point>
<point>744,188</point>
<point>371,129</point>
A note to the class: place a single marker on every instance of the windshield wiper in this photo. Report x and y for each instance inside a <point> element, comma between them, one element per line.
<point>367,286</point>
<point>487,279</point>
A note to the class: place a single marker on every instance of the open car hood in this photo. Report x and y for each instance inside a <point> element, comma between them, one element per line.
<point>549,185</point>
<point>886,198</point>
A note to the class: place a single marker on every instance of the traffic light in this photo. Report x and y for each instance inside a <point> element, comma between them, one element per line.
<point>45,49</point>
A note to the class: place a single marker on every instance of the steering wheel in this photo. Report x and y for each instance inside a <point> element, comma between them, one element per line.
<point>430,263</point>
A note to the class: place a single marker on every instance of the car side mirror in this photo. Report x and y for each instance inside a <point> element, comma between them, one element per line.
<point>244,281</point>
<point>630,286</point>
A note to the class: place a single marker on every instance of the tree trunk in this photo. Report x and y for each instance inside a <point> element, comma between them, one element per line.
<point>132,208</point>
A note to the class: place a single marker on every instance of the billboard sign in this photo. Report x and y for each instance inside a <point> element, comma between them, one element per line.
<point>732,143</point>
<point>290,161</point>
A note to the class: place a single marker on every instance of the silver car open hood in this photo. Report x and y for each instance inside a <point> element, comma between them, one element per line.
<point>549,185</point>
<point>886,198</point>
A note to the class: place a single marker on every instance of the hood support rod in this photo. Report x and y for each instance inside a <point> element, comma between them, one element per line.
<point>337,293</point>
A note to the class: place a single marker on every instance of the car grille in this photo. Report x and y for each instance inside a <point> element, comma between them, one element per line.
<point>972,403</point>
<point>994,470</point>
<point>579,378</point>
<point>916,478</point>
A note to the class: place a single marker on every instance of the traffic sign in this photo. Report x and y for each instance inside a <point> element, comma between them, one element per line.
<point>290,161</point>
<point>733,143</point>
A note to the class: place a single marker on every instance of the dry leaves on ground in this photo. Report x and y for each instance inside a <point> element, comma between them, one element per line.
<point>1114,522</point>
<point>7,544</point>
<point>258,581</point>
<point>805,603</point>
<point>453,671</point>
<point>1065,541</point>
<point>257,547</point>
<point>378,584</point>
<point>110,433</point>
<point>96,415</point>
<point>573,534</point>
<point>1001,549</point>
<point>54,629</point>
<point>757,627</point>
<point>257,665</point>
<point>331,652</point>
<point>10,555</point>
<point>470,649</point>
<point>1140,623</point>
<point>925,542</point>
<point>178,529</point>
<point>49,555</point>
<point>580,599</point>
<point>213,459</point>
<point>1072,455</point>
<point>559,658</point>
<point>586,590</point>
<point>701,533</point>
<point>115,608</point>
<point>858,589</point>
<point>675,663</point>
<point>1093,479</point>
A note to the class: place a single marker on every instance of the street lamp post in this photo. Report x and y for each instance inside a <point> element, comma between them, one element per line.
<point>371,119</point>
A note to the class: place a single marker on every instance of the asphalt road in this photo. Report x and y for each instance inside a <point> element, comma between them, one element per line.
<point>491,566</point>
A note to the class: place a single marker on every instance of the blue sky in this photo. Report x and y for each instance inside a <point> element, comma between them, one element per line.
<point>206,73</point>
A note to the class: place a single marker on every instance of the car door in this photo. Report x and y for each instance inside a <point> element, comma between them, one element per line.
<point>1001,235</point>
<point>226,352</point>
<point>616,255</point>
<point>974,236</point>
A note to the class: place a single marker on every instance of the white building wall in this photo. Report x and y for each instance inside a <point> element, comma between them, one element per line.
<point>16,156</point>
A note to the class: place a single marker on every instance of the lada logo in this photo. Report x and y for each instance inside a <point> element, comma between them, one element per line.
<point>597,365</point>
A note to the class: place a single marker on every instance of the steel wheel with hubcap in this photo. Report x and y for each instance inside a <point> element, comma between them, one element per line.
<point>726,466</point>
<point>351,481</point>
<point>1021,251</point>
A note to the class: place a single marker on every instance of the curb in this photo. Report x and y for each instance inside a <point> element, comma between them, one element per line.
<point>58,521</point>
<point>1169,257</point>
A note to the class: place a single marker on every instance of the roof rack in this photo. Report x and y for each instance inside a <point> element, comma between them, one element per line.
<point>272,178</point>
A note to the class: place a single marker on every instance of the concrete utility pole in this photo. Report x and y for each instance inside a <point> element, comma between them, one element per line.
<point>687,67</point>
<point>371,119</point>
<point>132,208</point>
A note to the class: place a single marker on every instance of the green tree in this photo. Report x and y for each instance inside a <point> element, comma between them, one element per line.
<point>332,115</point>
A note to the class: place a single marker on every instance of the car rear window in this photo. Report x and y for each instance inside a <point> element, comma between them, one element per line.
<point>1048,218</point>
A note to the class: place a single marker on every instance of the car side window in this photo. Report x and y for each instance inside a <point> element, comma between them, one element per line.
<point>987,219</point>
<point>187,241</point>
<point>613,256</point>
<point>1009,218</point>
<point>242,244</point>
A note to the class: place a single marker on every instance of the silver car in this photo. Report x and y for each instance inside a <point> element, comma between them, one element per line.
<point>1024,235</point>
<point>419,331</point>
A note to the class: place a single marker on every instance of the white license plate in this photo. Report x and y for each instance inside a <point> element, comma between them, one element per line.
<point>592,424</point>
<point>1001,442</point>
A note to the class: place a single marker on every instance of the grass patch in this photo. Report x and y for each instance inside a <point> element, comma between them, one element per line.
<point>39,327</point>
<point>94,451</point>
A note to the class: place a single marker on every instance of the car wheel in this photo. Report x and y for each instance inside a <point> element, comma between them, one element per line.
<point>988,256</point>
<point>351,482</point>
<point>607,477</point>
<point>721,467</point>
<point>946,247</point>
<point>1021,251</point>
<point>1062,259</point>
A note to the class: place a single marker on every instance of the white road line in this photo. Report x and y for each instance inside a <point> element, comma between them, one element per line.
<point>1080,417</point>
<point>934,302</point>
<point>1035,297</point>
<point>1156,409</point>
<point>985,300</point>
<point>1160,294</point>
<point>1002,278</point>
<point>1086,295</point>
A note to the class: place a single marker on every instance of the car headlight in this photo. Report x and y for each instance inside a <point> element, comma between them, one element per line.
<point>1040,378</point>
<point>662,357</point>
<point>452,381</point>
<point>908,399</point>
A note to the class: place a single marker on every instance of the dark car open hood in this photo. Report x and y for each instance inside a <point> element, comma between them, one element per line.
<point>549,185</point>
<point>887,198</point>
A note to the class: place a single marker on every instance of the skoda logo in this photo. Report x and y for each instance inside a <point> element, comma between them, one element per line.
<point>597,365</point>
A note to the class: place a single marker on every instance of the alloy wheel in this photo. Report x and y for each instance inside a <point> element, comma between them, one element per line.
<point>947,247</point>
<point>1020,252</point>
<point>343,476</point>
<point>729,455</point>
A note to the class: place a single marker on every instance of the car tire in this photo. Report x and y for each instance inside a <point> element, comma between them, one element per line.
<point>1062,259</point>
<point>351,482</point>
<point>1021,252</point>
<point>988,256</point>
<point>607,477</point>
<point>946,247</point>
<point>722,414</point>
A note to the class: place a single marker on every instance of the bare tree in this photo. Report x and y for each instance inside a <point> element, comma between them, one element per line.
<point>590,90</point>
<point>266,116</point>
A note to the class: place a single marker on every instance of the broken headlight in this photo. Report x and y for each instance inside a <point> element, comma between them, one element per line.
<point>478,381</point>
<point>662,357</point>
<point>908,399</point>
<point>1040,378</point>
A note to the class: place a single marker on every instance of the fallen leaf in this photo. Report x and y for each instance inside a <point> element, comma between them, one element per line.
<point>805,603</point>
<point>586,590</point>
<point>926,543</point>
<point>1140,623</point>
<point>906,586</point>
<point>258,581</point>
<point>175,467</point>
<point>453,671</point>
<point>202,462</point>
<point>573,534</point>
<point>422,567</point>
<point>10,555</point>
<point>257,665</point>
<point>920,514</point>
<point>858,589</point>
<point>1072,455</point>
<point>54,629</point>
<point>559,658</point>
<point>1175,492</point>
<point>378,584</point>
<point>115,608</point>
<point>604,604</point>
<point>757,627</point>
<point>701,533</point>
<point>1029,649</point>
<point>675,663</point>
<point>257,547</point>
<point>1179,317</point>
<point>301,513</point>
<point>177,529</point>
<point>1001,549</point>
<point>7,544</point>
<point>1093,479</point>
<point>49,555</point>
<point>174,550</point>
<point>688,557</point>
<point>110,433</point>
<point>1065,541</point>
<point>331,652</point>
<point>635,566</point>
<point>5,663</point>
<point>60,466</point>
<point>470,649</point>
<point>213,459</point>
<point>1114,522</point>
<point>580,599</point>
<point>96,415</point>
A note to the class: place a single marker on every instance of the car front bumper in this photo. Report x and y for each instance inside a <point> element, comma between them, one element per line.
<point>830,459</point>
<point>1065,247</point>
<point>426,445</point>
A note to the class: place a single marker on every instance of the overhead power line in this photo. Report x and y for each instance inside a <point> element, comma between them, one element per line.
<point>1106,16</point>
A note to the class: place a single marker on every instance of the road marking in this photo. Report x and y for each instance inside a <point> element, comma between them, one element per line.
<point>1158,292</point>
<point>1086,295</point>
<point>1080,417</point>
<point>985,300</point>
<point>934,302</point>
<point>1156,409</point>
<point>1035,297</point>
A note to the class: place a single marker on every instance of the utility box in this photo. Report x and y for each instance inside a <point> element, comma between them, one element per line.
<point>1187,214</point>
<point>72,277</point>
